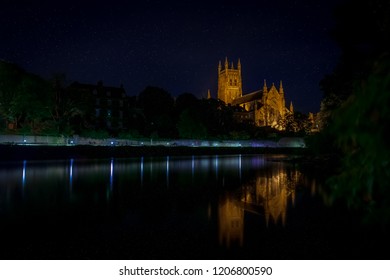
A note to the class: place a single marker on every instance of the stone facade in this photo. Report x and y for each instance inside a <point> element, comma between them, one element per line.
<point>266,107</point>
<point>229,82</point>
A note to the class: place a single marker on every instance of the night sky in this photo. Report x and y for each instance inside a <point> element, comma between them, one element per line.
<point>175,45</point>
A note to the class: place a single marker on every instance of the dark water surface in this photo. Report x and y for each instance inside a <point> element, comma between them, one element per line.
<point>193,207</point>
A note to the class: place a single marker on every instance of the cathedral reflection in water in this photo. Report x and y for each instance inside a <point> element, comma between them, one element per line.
<point>267,196</point>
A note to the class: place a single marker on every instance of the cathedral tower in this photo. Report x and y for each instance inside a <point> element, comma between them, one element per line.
<point>229,82</point>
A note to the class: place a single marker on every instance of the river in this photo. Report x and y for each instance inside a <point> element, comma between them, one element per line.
<point>175,207</point>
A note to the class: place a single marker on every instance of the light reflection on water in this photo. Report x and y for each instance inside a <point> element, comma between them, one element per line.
<point>267,196</point>
<point>24,174</point>
<point>217,192</point>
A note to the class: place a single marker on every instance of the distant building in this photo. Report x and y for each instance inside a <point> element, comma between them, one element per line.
<point>264,107</point>
<point>110,104</point>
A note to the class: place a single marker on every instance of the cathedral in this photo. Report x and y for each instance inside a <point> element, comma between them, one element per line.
<point>264,107</point>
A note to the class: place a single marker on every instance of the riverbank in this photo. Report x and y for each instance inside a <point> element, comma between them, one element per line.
<point>26,152</point>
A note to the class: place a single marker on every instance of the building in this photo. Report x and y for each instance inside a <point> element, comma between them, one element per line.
<point>229,82</point>
<point>110,104</point>
<point>264,107</point>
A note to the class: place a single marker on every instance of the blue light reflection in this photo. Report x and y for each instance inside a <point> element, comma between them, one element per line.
<point>24,174</point>
<point>167,170</point>
<point>142,170</point>
<point>71,174</point>
<point>111,173</point>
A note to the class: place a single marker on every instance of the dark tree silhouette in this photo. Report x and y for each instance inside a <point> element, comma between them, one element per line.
<point>25,99</point>
<point>157,105</point>
<point>362,31</point>
<point>357,95</point>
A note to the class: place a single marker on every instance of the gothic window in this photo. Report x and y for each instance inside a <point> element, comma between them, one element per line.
<point>230,82</point>
<point>235,82</point>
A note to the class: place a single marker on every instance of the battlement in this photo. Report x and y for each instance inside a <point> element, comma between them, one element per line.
<point>229,82</point>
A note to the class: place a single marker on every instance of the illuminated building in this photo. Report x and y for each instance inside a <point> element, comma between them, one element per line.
<point>229,82</point>
<point>265,107</point>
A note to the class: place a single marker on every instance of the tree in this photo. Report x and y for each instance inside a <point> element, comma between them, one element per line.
<point>77,107</point>
<point>34,103</point>
<point>155,102</point>
<point>357,95</point>
<point>190,126</point>
<point>363,36</point>
<point>11,76</point>
<point>185,101</point>
<point>25,99</point>
<point>361,127</point>
<point>157,105</point>
<point>296,123</point>
<point>216,116</point>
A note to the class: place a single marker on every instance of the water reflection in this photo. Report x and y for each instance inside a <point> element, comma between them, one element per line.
<point>267,196</point>
<point>24,174</point>
<point>239,166</point>
<point>142,171</point>
<point>111,174</point>
<point>167,171</point>
<point>192,168</point>
<point>231,221</point>
<point>228,194</point>
<point>216,166</point>
<point>71,175</point>
<point>272,192</point>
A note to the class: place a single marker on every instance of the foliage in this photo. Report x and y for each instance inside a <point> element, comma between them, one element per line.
<point>136,120</point>
<point>354,114</point>
<point>322,143</point>
<point>164,126</point>
<point>190,126</point>
<point>363,37</point>
<point>25,98</point>
<point>97,134</point>
<point>239,135</point>
<point>185,101</point>
<point>76,110</point>
<point>361,127</point>
<point>130,134</point>
<point>216,116</point>
<point>157,107</point>
<point>155,102</point>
